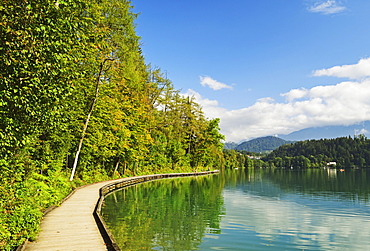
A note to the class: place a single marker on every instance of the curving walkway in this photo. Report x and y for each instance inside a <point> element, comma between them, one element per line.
<point>72,225</point>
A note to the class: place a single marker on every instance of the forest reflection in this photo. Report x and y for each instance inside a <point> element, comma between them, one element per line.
<point>353,185</point>
<point>171,214</point>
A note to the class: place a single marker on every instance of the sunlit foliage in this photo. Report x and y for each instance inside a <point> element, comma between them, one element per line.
<point>70,64</point>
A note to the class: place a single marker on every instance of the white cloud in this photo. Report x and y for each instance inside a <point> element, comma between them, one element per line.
<point>295,94</point>
<point>211,106</point>
<point>343,104</point>
<point>356,71</point>
<point>362,131</point>
<point>213,84</point>
<point>327,7</point>
<point>279,217</point>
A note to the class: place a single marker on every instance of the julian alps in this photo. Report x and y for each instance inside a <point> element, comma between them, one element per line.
<point>323,132</point>
<point>329,132</point>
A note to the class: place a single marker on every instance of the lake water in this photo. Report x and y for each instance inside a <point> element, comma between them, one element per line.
<point>245,210</point>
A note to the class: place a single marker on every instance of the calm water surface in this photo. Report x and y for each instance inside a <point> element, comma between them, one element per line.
<point>245,210</point>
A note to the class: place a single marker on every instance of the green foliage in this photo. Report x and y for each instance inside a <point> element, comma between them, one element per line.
<point>51,54</point>
<point>22,204</point>
<point>37,68</point>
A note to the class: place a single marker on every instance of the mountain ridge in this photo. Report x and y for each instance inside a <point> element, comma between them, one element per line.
<point>258,145</point>
<point>329,132</point>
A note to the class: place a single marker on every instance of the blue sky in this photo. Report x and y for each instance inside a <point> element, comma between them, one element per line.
<point>264,67</point>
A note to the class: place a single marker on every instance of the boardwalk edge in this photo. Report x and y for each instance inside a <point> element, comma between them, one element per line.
<point>122,183</point>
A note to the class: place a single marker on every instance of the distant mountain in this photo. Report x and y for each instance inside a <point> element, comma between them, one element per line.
<point>329,132</point>
<point>230,145</point>
<point>263,144</point>
<point>324,132</point>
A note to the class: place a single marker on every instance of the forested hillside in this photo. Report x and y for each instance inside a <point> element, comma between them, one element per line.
<point>263,144</point>
<point>347,152</point>
<point>77,95</point>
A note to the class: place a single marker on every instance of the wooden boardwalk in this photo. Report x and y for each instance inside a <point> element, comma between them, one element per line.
<point>72,225</point>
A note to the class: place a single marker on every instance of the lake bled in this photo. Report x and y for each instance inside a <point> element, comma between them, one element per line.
<point>262,209</point>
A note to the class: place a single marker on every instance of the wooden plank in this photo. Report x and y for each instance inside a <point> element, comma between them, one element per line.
<point>72,225</point>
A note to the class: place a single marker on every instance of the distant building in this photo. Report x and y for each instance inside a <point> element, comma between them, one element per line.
<point>254,157</point>
<point>331,164</point>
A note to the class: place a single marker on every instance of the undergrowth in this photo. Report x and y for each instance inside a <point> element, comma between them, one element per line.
<point>22,203</point>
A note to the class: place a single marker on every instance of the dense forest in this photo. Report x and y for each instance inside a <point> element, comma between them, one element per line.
<point>242,159</point>
<point>347,152</point>
<point>78,104</point>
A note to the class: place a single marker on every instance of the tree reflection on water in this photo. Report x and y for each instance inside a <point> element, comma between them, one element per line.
<point>171,214</point>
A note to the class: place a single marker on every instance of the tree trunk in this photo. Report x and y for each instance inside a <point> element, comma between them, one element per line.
<point>116,167</point>
<point>124,168</point>
<point>88,118</point>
